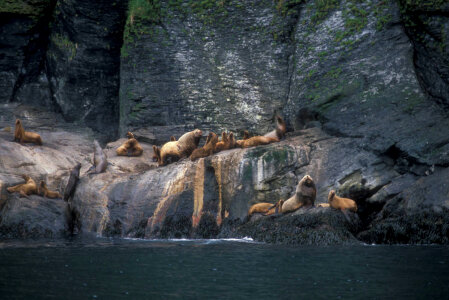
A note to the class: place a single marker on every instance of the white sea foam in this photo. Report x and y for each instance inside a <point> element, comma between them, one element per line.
<point>202,241</point>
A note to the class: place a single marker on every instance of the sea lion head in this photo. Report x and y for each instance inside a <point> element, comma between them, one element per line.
<point>78,166</point>
<point>224,137</point>
<point>212,138</point>
<point>197,133</point>
<point>307,180</point>
<point>18,122</point>
<point>129,135</point>
<point>42,184</point>
<point>331,195</point>
<point>231,140</point>
<point>26,177</point>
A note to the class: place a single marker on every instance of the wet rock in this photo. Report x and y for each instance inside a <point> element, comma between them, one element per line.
<point>32,217</point>
<point>315,226</point>
<point>418,214</point>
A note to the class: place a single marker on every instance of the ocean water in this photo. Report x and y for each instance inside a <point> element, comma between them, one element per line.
<point>219,269</point>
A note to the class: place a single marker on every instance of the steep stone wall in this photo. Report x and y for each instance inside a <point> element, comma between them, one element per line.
<point>217,67</point>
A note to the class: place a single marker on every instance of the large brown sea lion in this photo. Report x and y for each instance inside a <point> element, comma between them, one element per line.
<point>305,195</point>
<point>72,182</point>
<point>100,161</point>
<point>271,137</point>
<point>22,136</point>
<point>341,203</point>
<point>44,191</point>
<point>180,148</point>
<point>24,189</point>
<point>207,149</point>
<point>130,148</point>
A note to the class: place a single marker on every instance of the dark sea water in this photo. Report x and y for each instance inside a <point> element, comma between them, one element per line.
<point>208,269</point>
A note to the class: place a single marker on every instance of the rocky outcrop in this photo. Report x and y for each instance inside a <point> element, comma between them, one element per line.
<point>210,197</point>
<point>363,86</point>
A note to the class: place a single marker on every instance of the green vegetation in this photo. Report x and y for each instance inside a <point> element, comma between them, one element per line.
<point>64,43</point>
<point>322,9</point>
<point>416,21</point>
<point>32,8</point>
<point>144,15</point>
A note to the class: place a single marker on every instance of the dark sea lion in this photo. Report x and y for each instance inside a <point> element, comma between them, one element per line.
<point>72,182</point>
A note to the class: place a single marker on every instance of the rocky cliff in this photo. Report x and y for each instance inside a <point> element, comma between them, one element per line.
<point>363,85</point>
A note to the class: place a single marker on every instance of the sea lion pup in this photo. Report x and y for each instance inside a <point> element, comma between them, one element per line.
<point>72,182</point>
<point>100,160</point>
<point>22,136</point>
<point>44,191</point>
<point>341,203</point>
<point>24,189</point>
<point>305,195</point>
<point>130,148</point>
<point>207,149</point>
<point>271,137</point>
<point>181,148</point>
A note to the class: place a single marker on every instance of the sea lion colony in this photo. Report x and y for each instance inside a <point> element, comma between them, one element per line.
<point>186,146</point>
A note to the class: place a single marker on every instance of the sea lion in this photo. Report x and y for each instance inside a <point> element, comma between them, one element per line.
<point>341,203</point>
<point>207,149</point>
<point>324,205</point>
<point>44,191</point>
<point>180,148</point>
<point>130,148</point>
<point>223,144</point>
<point>304,196</point>
<point>271,137</point>
<point>266,209</point>
<point>22,136</point>
<point>245,135</point>
<point>280,129</point>
<point>24,189</point>
<point>156,153</point>
<point>231,141</point>
<point>72,182</point>
<point>100,160</point>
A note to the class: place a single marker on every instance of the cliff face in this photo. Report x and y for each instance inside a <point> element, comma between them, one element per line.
<point>363,86</point>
